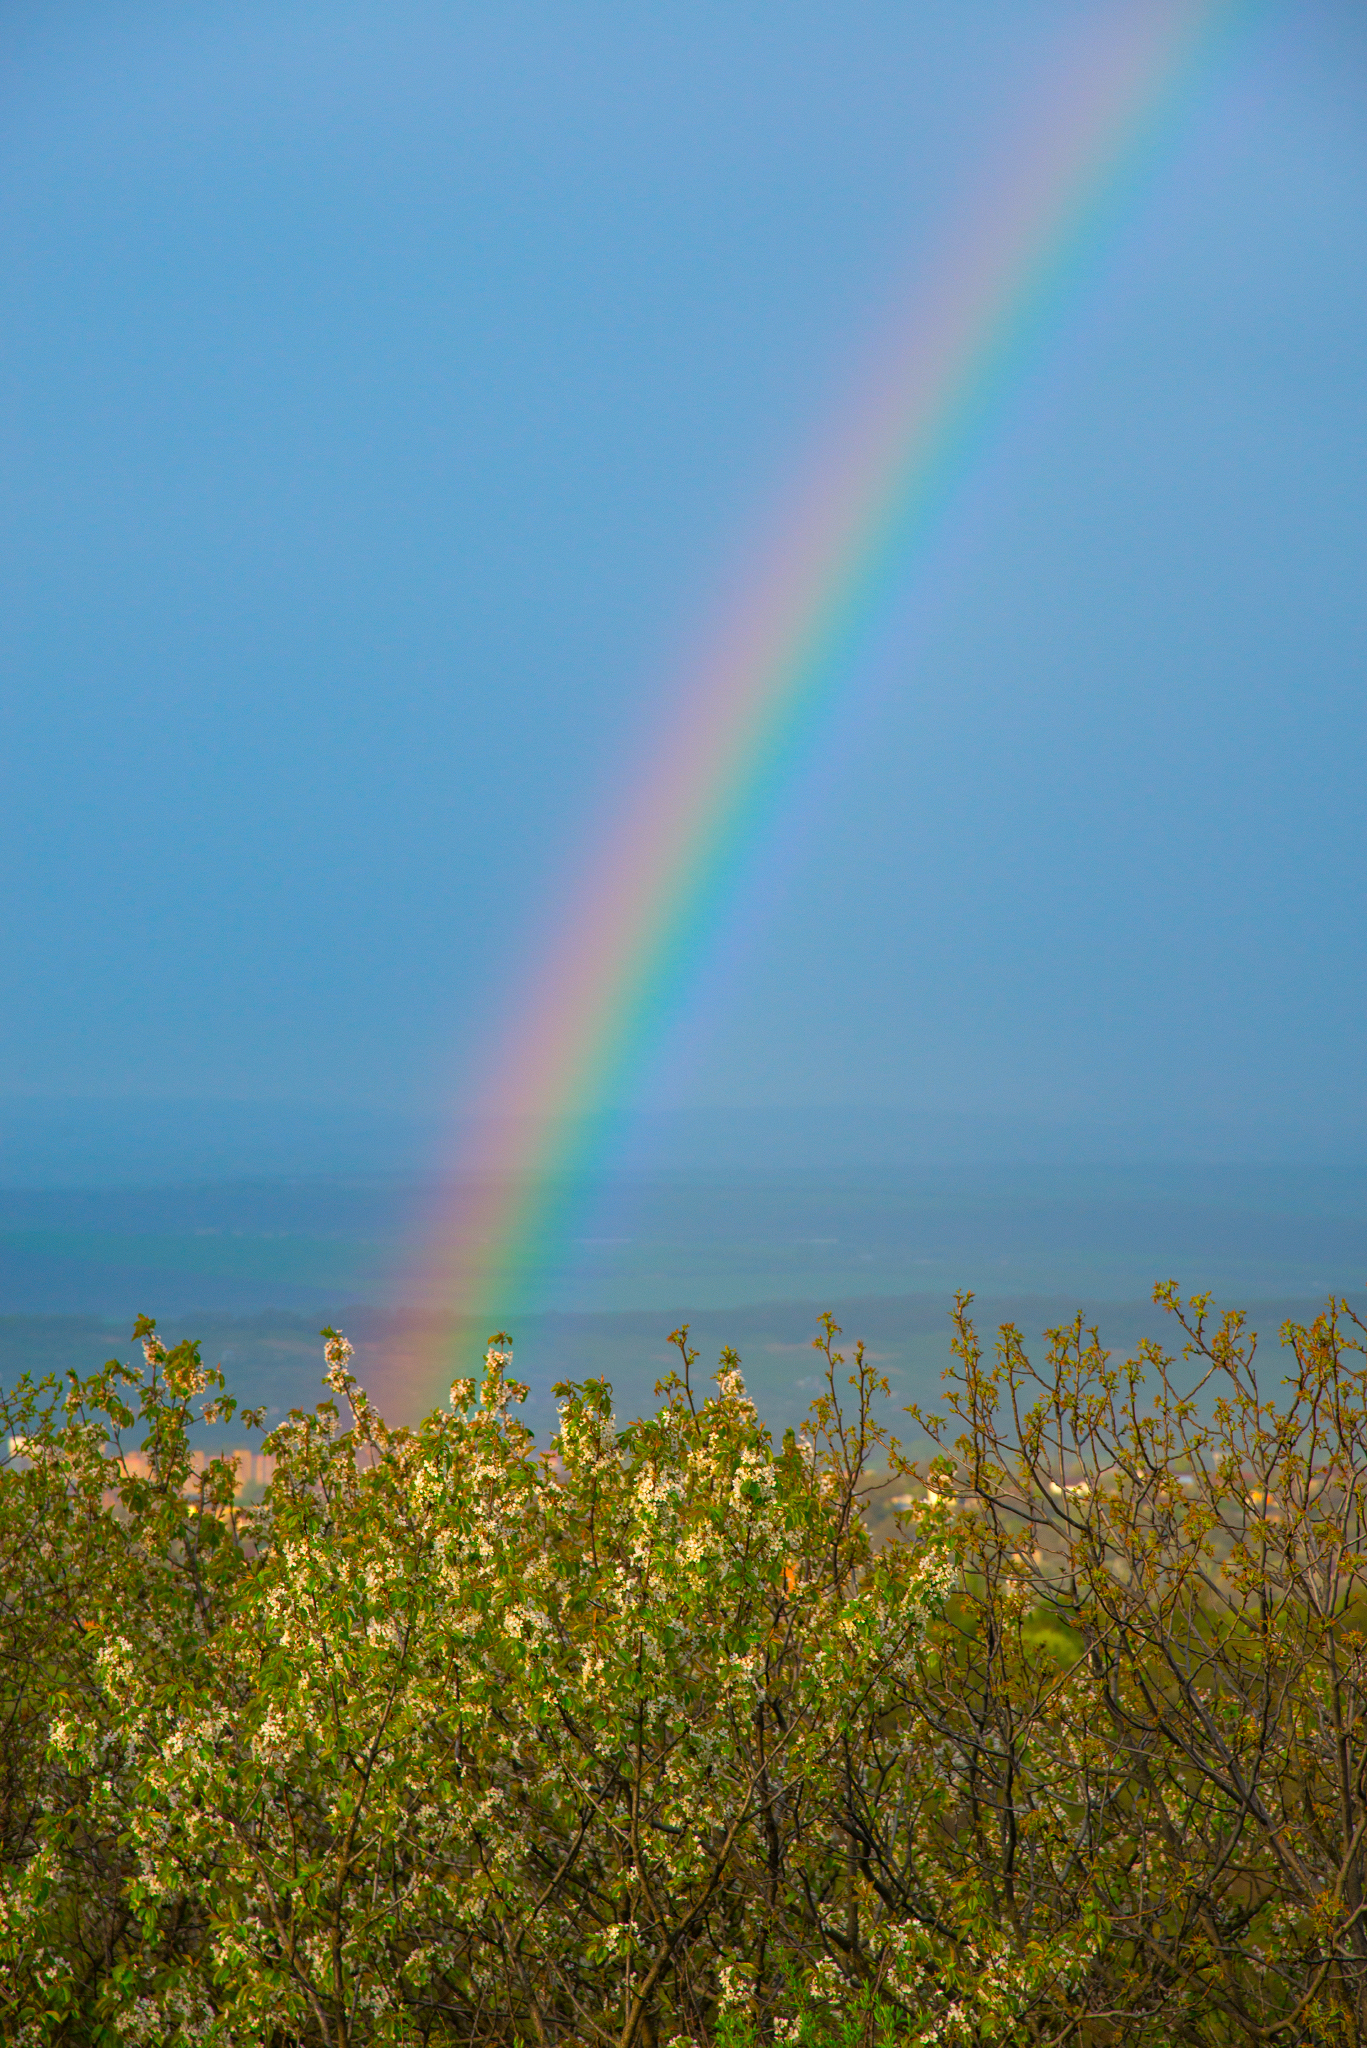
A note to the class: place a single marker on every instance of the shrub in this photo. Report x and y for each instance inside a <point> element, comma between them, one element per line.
<point>641,1739</point>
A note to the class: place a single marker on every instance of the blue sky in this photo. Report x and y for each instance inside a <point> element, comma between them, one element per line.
<point>389,389</point>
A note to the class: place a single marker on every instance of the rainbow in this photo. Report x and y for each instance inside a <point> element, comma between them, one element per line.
<point>667,860</point>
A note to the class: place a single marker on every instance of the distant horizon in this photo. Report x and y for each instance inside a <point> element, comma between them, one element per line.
<point>676,1237</point>
<point>126,1141</point>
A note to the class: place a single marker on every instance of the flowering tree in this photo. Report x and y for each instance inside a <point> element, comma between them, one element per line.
<point>451,1735</point>
<point>640,1739</point>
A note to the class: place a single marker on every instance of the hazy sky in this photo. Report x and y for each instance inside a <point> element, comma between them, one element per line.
<point>388,392</point>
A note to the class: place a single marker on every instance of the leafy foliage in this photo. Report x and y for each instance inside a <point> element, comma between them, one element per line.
<point>641,1739</point>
